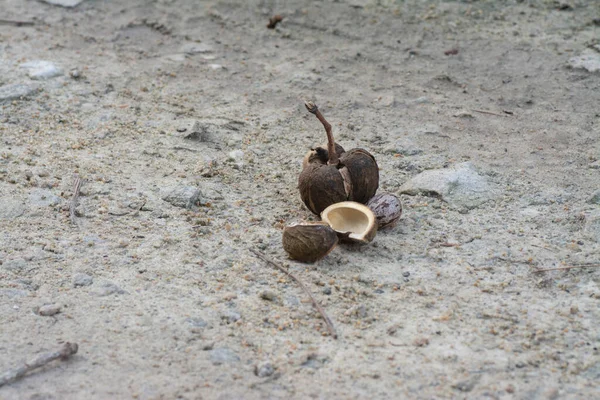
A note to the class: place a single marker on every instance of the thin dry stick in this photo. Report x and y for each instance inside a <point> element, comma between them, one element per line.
<point>73,204</point>
<point>312,299</point>
<point>67,350</point>
<point>16,23</point>
<point>313,109</point>
<point>569,267</point>
<point>489,113</point>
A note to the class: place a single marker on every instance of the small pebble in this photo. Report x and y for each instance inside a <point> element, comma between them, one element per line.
<point>81,279</point>
<point>184,196</point>
<point>268,295</point>
<point>230,316</point>
<point>406,274</point>
<point>49,310</point>
<point>40,69</point>
<point>264,369</point>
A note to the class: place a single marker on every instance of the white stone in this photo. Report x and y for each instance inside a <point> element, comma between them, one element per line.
<point>588,60</point>
<point>461,186</point>
<point>40,69</point>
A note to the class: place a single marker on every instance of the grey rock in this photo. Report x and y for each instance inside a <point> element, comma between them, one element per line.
<point>16,91</point>
<point>264,369</point>
<point>230,316</point>
<point>48,310</point>
<point>223,355</point>
<point>64,3</point>
<point>41,70</point>
<point>43,198</point>
<point>589,60</point>
<point>14,265</point>
<point>81,279</point>
<point>10,209</point>
<point>109,288</point>
<point>184,196</point>
<point>466,385</point>
<point>595,198</point>
<point>461,186</point>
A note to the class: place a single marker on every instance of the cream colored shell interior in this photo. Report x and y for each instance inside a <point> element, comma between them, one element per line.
<point>351,217</point>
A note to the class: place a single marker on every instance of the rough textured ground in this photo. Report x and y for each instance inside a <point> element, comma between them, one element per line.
<point>168,302</point>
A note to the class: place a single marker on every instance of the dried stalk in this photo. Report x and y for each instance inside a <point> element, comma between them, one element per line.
<point>16,23</point>
<point>73,204</point>
<point>313,109</point>
<point>569,267</point>
<point>330,326</point>
<point>489,113</point>
<point>67,350</point>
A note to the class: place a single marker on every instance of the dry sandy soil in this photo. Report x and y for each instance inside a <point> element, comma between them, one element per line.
<point>168,302</point>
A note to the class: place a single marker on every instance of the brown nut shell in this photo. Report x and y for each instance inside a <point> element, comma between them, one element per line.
<point>387,209</point>
<point>353,222</point>
<point>309,242</point>
<point>364,174</point>
<point>320,186</point>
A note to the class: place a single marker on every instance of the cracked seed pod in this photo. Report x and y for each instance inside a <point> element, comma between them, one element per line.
<point>353,222</point>
<point>330,176</point>
<point>387,209</point>
<point>320,155</point>
<point>309,241</point>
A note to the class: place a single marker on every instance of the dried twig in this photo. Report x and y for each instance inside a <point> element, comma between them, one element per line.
<point>489,113</point>
<point>16,23</point>
<point>569,267</point>
<point>67,350</point>
<point>312,299</point>
<point>73,204</point>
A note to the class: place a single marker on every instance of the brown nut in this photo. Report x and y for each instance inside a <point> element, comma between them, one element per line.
<point>342,176</point>
<point>309,241</point>
<point>352,221</point>
<point>387,209</point>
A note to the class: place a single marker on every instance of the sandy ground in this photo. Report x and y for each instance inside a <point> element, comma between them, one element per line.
<point>167,302</point>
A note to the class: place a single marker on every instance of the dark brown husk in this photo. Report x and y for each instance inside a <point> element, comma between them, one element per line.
<point>309,242</point>
<point>320,186</point>
<point>364,174</point>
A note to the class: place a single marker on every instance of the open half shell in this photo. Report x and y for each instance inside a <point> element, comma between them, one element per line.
<point>352,221</point>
